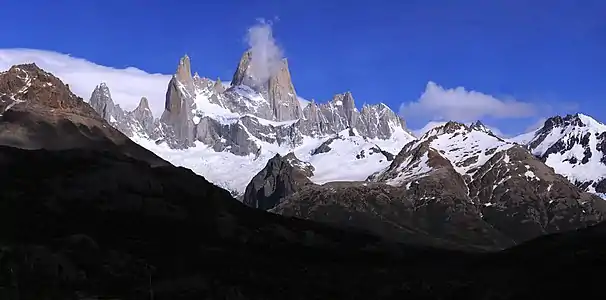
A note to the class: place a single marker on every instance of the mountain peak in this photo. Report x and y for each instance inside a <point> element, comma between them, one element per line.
<point>32,85</point>
<point>101,101</point>
<point>577,119</point>
<point>479,126</point>
<point>143,104</point>
<point>183,73</point>
<point>240,75</point>
<point>282,95</point>
<point>448,127</point>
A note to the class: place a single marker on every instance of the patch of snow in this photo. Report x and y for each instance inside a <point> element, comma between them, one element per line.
<point>410,169</point>
<point>266,122</point>
<point>530,175</point>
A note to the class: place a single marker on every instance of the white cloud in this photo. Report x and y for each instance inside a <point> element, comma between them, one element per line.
<point>438,103</point>
<point>266,55</point>
<point>127,85</point>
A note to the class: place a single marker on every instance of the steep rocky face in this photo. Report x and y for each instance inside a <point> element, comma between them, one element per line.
<point>282,96</point>
<point>39,111</point>
<point>101,101</point>
<point>143,115</point>
<point>281,177</point>
<point>242,75</point>
<point>177,114</point>
<point>575,146</point>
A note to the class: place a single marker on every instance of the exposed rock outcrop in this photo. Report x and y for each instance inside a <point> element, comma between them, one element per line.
<point>281,177</point>
<point>177,116</point>
<point>143,115</point>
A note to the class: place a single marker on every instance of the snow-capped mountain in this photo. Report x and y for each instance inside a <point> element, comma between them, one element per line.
<point>217,130</point>
<point>507,183</point>
<point>575,146</point>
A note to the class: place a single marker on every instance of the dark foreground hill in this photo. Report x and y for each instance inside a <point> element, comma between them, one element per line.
<point>86,224</point>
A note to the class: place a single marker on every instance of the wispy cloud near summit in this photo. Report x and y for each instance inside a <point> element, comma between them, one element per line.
<point>266,53</point>
<point>441,104</point>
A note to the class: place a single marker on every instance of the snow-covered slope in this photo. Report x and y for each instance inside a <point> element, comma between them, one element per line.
<point>467,148</point>
<point>456,146</point>
<point>575,146</point>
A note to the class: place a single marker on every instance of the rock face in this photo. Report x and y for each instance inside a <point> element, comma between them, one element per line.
<point>40,112</point>
<point>143,115</point>
<point>177,116</point>
<point>281,177</point>
<point>575,146</point>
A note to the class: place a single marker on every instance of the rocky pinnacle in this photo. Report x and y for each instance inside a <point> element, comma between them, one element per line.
<point>282,95</point>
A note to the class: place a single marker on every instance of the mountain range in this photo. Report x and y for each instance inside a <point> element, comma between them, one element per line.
<point>241,125</point>
<point>102,209</point>
<point>303,159</point>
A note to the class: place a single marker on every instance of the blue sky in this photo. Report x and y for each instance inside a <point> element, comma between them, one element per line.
<point>548,54</point>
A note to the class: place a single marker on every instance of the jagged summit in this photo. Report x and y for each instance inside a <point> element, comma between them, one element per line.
<point>140,121</point>
<point>28,85</point>
<point>446,128</point>
<point>183,73</point>
<point>478,125</point>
